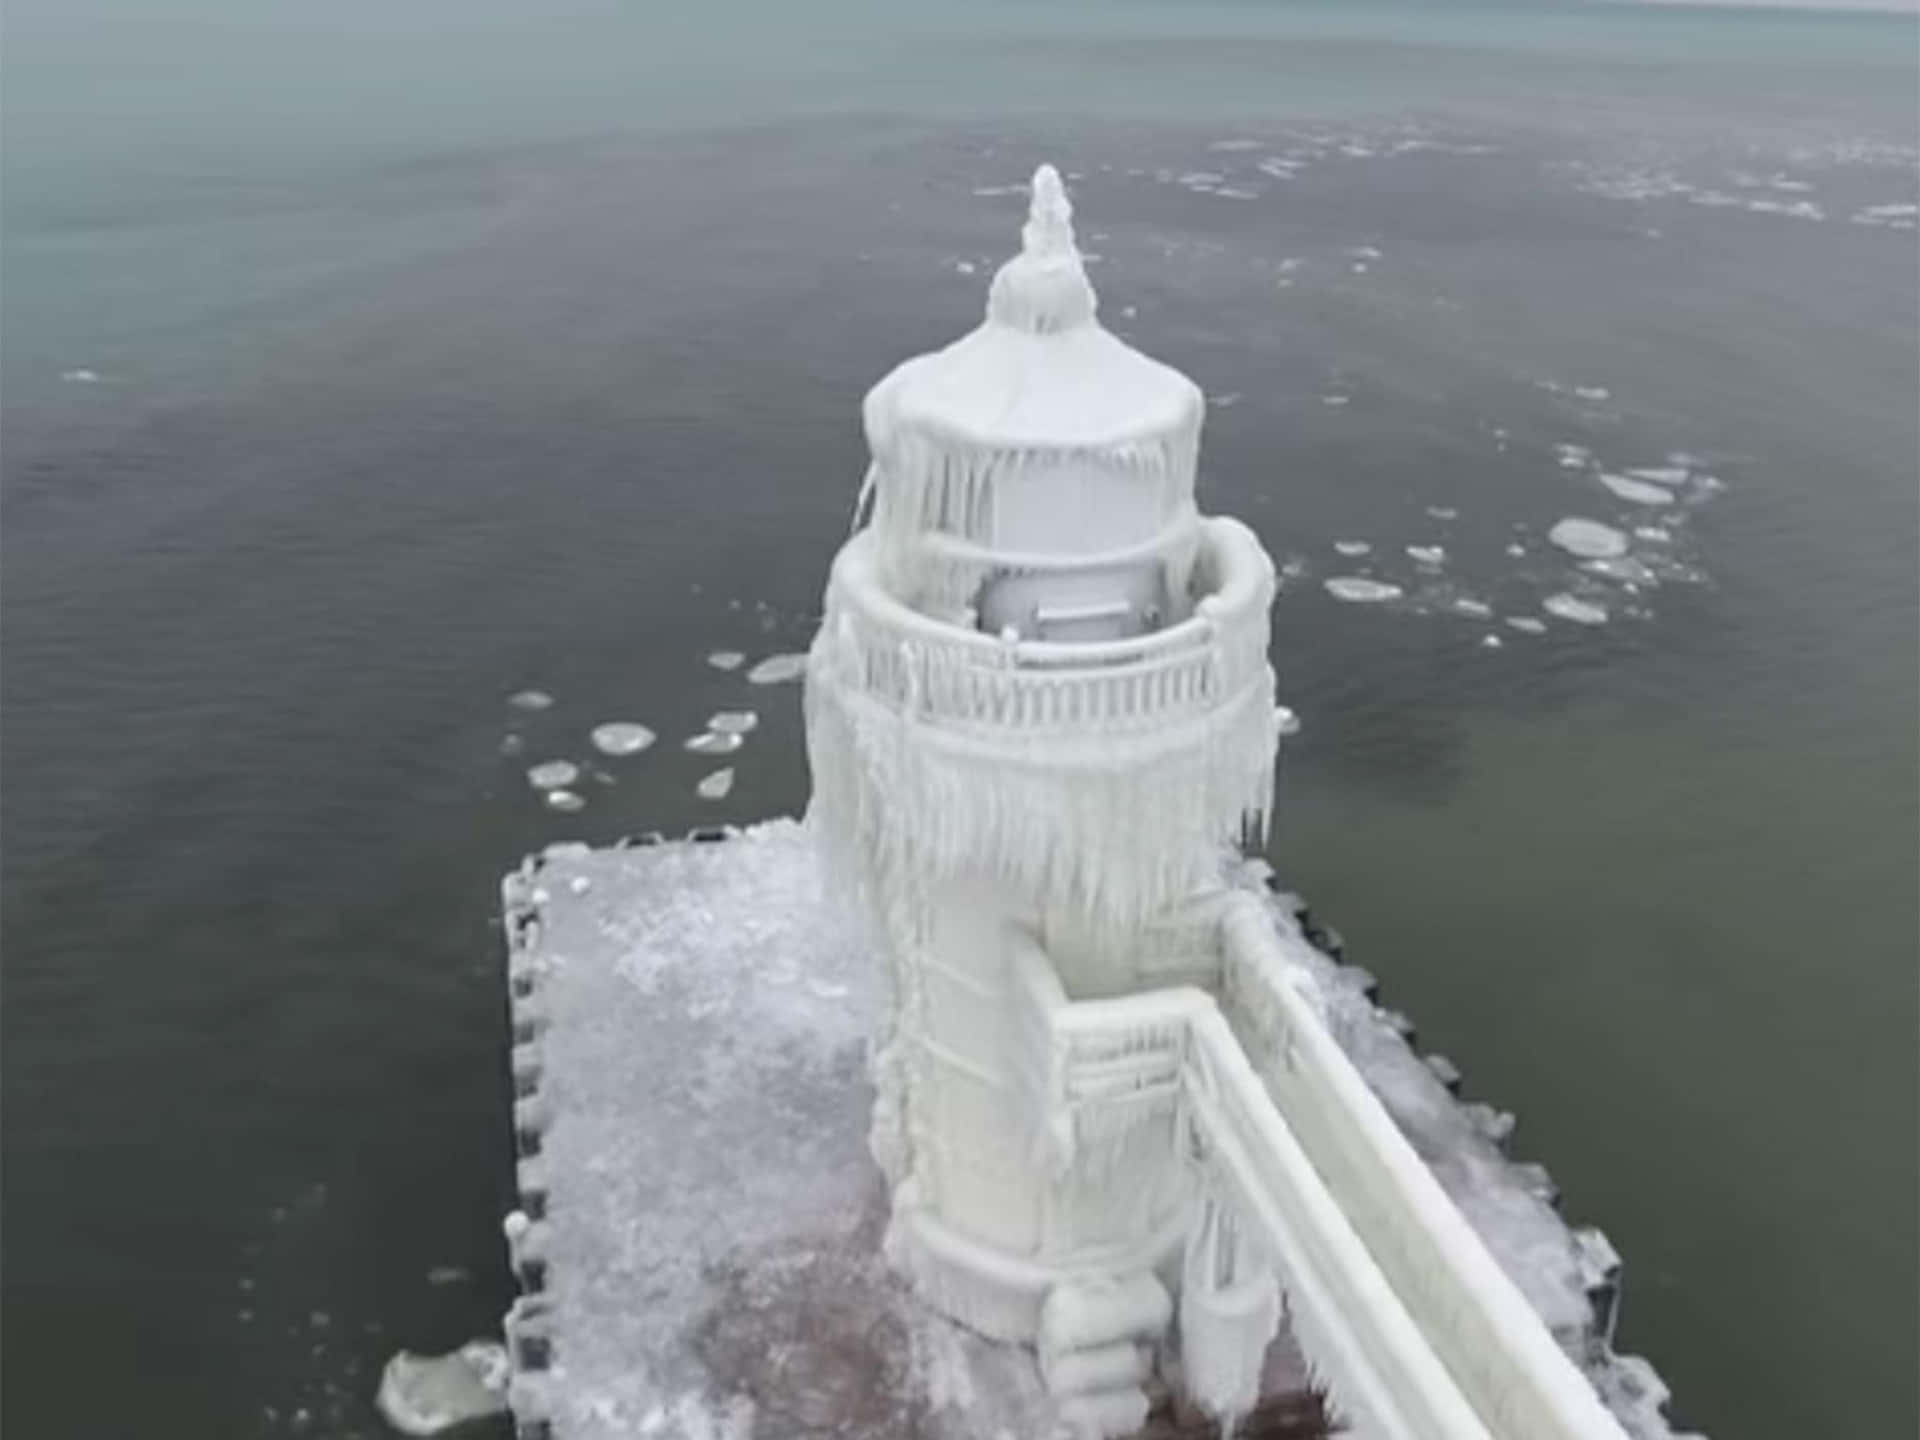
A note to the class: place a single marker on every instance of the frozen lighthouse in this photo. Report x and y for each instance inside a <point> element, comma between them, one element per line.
<point>1039,713</point>
<point>1148,1160</point>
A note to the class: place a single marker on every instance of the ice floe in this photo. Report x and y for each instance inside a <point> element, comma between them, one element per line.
<point>1432,556</point>
<point>1352,548</point>
<point>622,737</point>
<point>426,1394</point>
<point>726,659</point>
<point>1573,457</point>
<point>1654,534</point>
<point>1443,512</point>
<point>565,801</point>
<point>531,700</point>
<point>1588,539</point>
<point>1478,609</point>
<point>732,722</point>
<point>1668,475</point>
<point>81,376</point>
<point>1491,642</point>
<point>716,786</point>
<point>711,742</point>
<point>1358,590</point>
<point>552,774</point>
<point>1637,492</point>
<point>1527,625</point>
<point>778,669</point>
<point>1572,607</point>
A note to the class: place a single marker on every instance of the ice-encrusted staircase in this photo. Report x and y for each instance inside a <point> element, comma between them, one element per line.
<point>1097,1346</point>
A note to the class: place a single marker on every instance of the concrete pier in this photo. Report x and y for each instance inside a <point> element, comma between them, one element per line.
<point>698,1238</point>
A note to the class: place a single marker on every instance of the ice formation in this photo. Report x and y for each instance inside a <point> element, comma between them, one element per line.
<point>716,786</point>
<point>1431,556</point>
<point>777,670</point>
<point>1358,590</point>
<point>1527,624</point>
<point>565,801</point>
<point>726,659</point>
<point>1637,492</point>
<point>622,737</point>
<point>1111,1117</point>
<point>531,700</point>
<point>1588,539</point>
<point>1352,549</point>
<point>714,742</point>
<point>732,722</point>
<point>426,1394</point>
<point>1573,608</point>
<point>553,774</point>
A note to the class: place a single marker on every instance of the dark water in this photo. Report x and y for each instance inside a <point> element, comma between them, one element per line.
<point>401,407</point>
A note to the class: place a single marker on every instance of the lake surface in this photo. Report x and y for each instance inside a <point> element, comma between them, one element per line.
<point>364,366</point>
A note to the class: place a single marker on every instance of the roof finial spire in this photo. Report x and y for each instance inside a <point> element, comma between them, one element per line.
<point>1049,229</point>
<point>1044,288</point>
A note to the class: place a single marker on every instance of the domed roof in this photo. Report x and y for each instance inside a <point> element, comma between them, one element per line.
<point>1040,372</point>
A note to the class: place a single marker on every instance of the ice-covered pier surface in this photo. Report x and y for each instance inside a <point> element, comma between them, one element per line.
<point>698,1244</point>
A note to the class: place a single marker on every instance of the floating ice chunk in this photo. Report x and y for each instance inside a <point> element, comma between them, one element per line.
<point>1572,607</point>
<point>726,659</point>
<point>1491,642</point>
<point>1657,534</point>
<point>1285,721</point>
<point>1358,590</point>
<point>732,722</point>
<point>425,1394</point>
<point>1277,169</point>
<point>1588,539</point>
<point>1592,392</point>
<point>713,742</point>
<point>965,267</point>
<point>1527,625</point>
<point>1478,609</point>
<point>719,784</point>
<point>81,376</point>
<point>1638,492</point>
<point>1516,550</point>
<point>448,1275</point>
<point>622,737</point>
<point>512,745</point>
<point>1573,457</point>
<point>1429,555</point>
<point>1201,178</point>
<point>1359,267</point>
<point>565,801</point>
<point>1662,474</point>
<point>1624,568</point>
<point>1443,512</point>
<point>552,774</point>
<point>1352,548</point>
<point>531,700</point>
<point>777,669</point>
<point>1232,397</point>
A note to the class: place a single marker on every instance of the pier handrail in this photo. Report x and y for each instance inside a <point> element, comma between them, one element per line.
<point>1498,1349</point>
<point>1420,1333</point>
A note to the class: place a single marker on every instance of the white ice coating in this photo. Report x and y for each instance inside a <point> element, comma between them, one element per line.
<point>1588,539</point>
<point>1040,714</point>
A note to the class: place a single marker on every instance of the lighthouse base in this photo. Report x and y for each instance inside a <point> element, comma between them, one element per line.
<point>1002,1296</point>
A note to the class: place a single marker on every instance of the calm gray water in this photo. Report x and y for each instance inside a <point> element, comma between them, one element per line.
<point>365,364</point>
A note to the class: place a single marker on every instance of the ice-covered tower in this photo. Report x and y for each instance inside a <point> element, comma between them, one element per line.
<point>1040,713</point>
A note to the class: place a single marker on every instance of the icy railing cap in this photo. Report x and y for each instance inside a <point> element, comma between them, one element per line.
<point>1044,288</point>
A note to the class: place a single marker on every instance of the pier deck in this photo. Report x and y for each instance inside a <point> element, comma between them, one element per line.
<point>699,1241</point>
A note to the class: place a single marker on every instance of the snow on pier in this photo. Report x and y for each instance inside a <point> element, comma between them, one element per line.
<point>698,1242</point>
